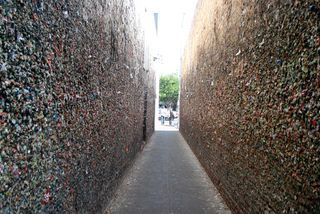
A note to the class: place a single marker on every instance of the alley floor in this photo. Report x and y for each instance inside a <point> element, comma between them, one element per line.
<point>167,178</point>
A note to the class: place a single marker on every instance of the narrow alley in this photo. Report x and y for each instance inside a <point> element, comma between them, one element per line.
<point>160,106</point>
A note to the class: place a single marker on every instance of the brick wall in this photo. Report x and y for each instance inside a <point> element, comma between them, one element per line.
<point>250,102</point>
<point>72,102</point>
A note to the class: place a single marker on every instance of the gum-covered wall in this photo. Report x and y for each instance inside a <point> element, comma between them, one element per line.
<point>250,102</point>
<point>73,94</point>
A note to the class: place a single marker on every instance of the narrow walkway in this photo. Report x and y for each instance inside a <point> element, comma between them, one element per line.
<point>167,178</point>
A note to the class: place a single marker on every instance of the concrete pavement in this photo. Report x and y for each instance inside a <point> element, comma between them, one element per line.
<point>167,178</point>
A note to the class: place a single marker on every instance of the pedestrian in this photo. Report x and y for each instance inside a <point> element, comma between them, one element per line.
<point>171,117</point>
<point>162,114</point>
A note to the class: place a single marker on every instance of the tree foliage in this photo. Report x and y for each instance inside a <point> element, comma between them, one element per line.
<point>169,89</point>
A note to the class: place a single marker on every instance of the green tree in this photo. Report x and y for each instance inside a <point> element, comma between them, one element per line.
<point>169,89</point>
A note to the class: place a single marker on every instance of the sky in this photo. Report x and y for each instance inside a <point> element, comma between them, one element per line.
<point>175,18</point>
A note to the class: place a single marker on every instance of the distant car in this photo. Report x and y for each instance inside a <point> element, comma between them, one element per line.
<point>175,114</point>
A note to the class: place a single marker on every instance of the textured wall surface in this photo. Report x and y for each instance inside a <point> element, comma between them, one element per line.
<point>71,102</point>
<point>250,105</point>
